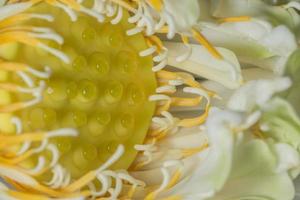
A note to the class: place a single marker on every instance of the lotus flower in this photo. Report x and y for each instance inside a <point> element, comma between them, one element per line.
<point>149,99</point>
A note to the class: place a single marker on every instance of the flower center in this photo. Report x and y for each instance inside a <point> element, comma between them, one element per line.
<point>102,91</point>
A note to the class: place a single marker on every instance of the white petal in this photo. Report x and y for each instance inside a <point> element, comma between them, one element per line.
<point>212,174</point>
<point>185,13</point>
<point>256,93</point>
<point>203,64</point>
<point>288,157</point>
<point>255,42</point>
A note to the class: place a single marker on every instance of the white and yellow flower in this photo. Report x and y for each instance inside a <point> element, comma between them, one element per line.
<point>100,100</point>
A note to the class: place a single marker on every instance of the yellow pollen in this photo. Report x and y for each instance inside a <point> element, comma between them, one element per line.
<point>175,178</point>
<point>195,121</point>
<point>156,4</point>
<point>125,5</point>
<point>185,39</point>
<point>154,40</point>
<point>203,41</point>
<point>235,19</point>
<point>190,152</point>
<point>176,197</point>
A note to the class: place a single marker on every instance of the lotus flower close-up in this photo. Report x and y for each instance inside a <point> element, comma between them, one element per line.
<point>149,100</point>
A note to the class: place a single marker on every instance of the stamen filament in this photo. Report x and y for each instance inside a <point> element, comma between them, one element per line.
<point>235,19</point>
<point>203,41</point>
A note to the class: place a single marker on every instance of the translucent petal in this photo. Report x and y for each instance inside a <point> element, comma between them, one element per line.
<point>263,46</point>
<point>253,175</point>
<point>282,122</point>
<point>178,9</point>
<point>225,71</point>
<point>256,93</point>
<point>210,176</point>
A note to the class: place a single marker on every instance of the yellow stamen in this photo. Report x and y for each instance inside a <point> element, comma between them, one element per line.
<point>156,4</point>
<point>185,39</point>
<point>83,181</point>
<point>164,29</point>
<point>235,19</point>
<point>13,1</point>
<point>203,41</point>
<point>174,179</point>
<point>186,78</point>
<point>32,183</point>
<point>7,140</point>
<point>20,195</point>
<point>179,101</point>
<point>138,166</point>
<point>18,28</point>
<point>131,192</point>
<point>12,66</point>
<point>190,152</point>
<point>154,40</point>
<point>125,5</point>
<point>161,135</point>
<point>18,159</point>
<point>191,122</point>
<point>162,108</point>
<point>176,197</point>
<point>12,107</point>
<point>14,19</point>
<point>47,191</point>
<point>9,87</point>
<point>18,36</point>
<point>73,4</point>
<point>106,198</point>
<point>15,185</point>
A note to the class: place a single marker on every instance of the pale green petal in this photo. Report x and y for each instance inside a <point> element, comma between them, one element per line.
<point>250,74</point>
<point>293,66</point>
<point>253,175</point>
<point>280,15</point>
<point>203,64</point>
<point>228,37</point>
<point>294,97</point>
<point>250,169</point>
<point>293,70</point>
<point>254,42</point>
<point>288,157</point>
<point>223,92</point>
<point>257,8</point>
<point>297,186</point>
<point>2,2</point>
<point>282,123</point>
<point>185,14</point>
<point>256,93</point>
<point>211,175</point>
<point>229,8</point>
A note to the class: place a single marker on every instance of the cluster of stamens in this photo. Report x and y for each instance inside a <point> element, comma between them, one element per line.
<point>79,90</point>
